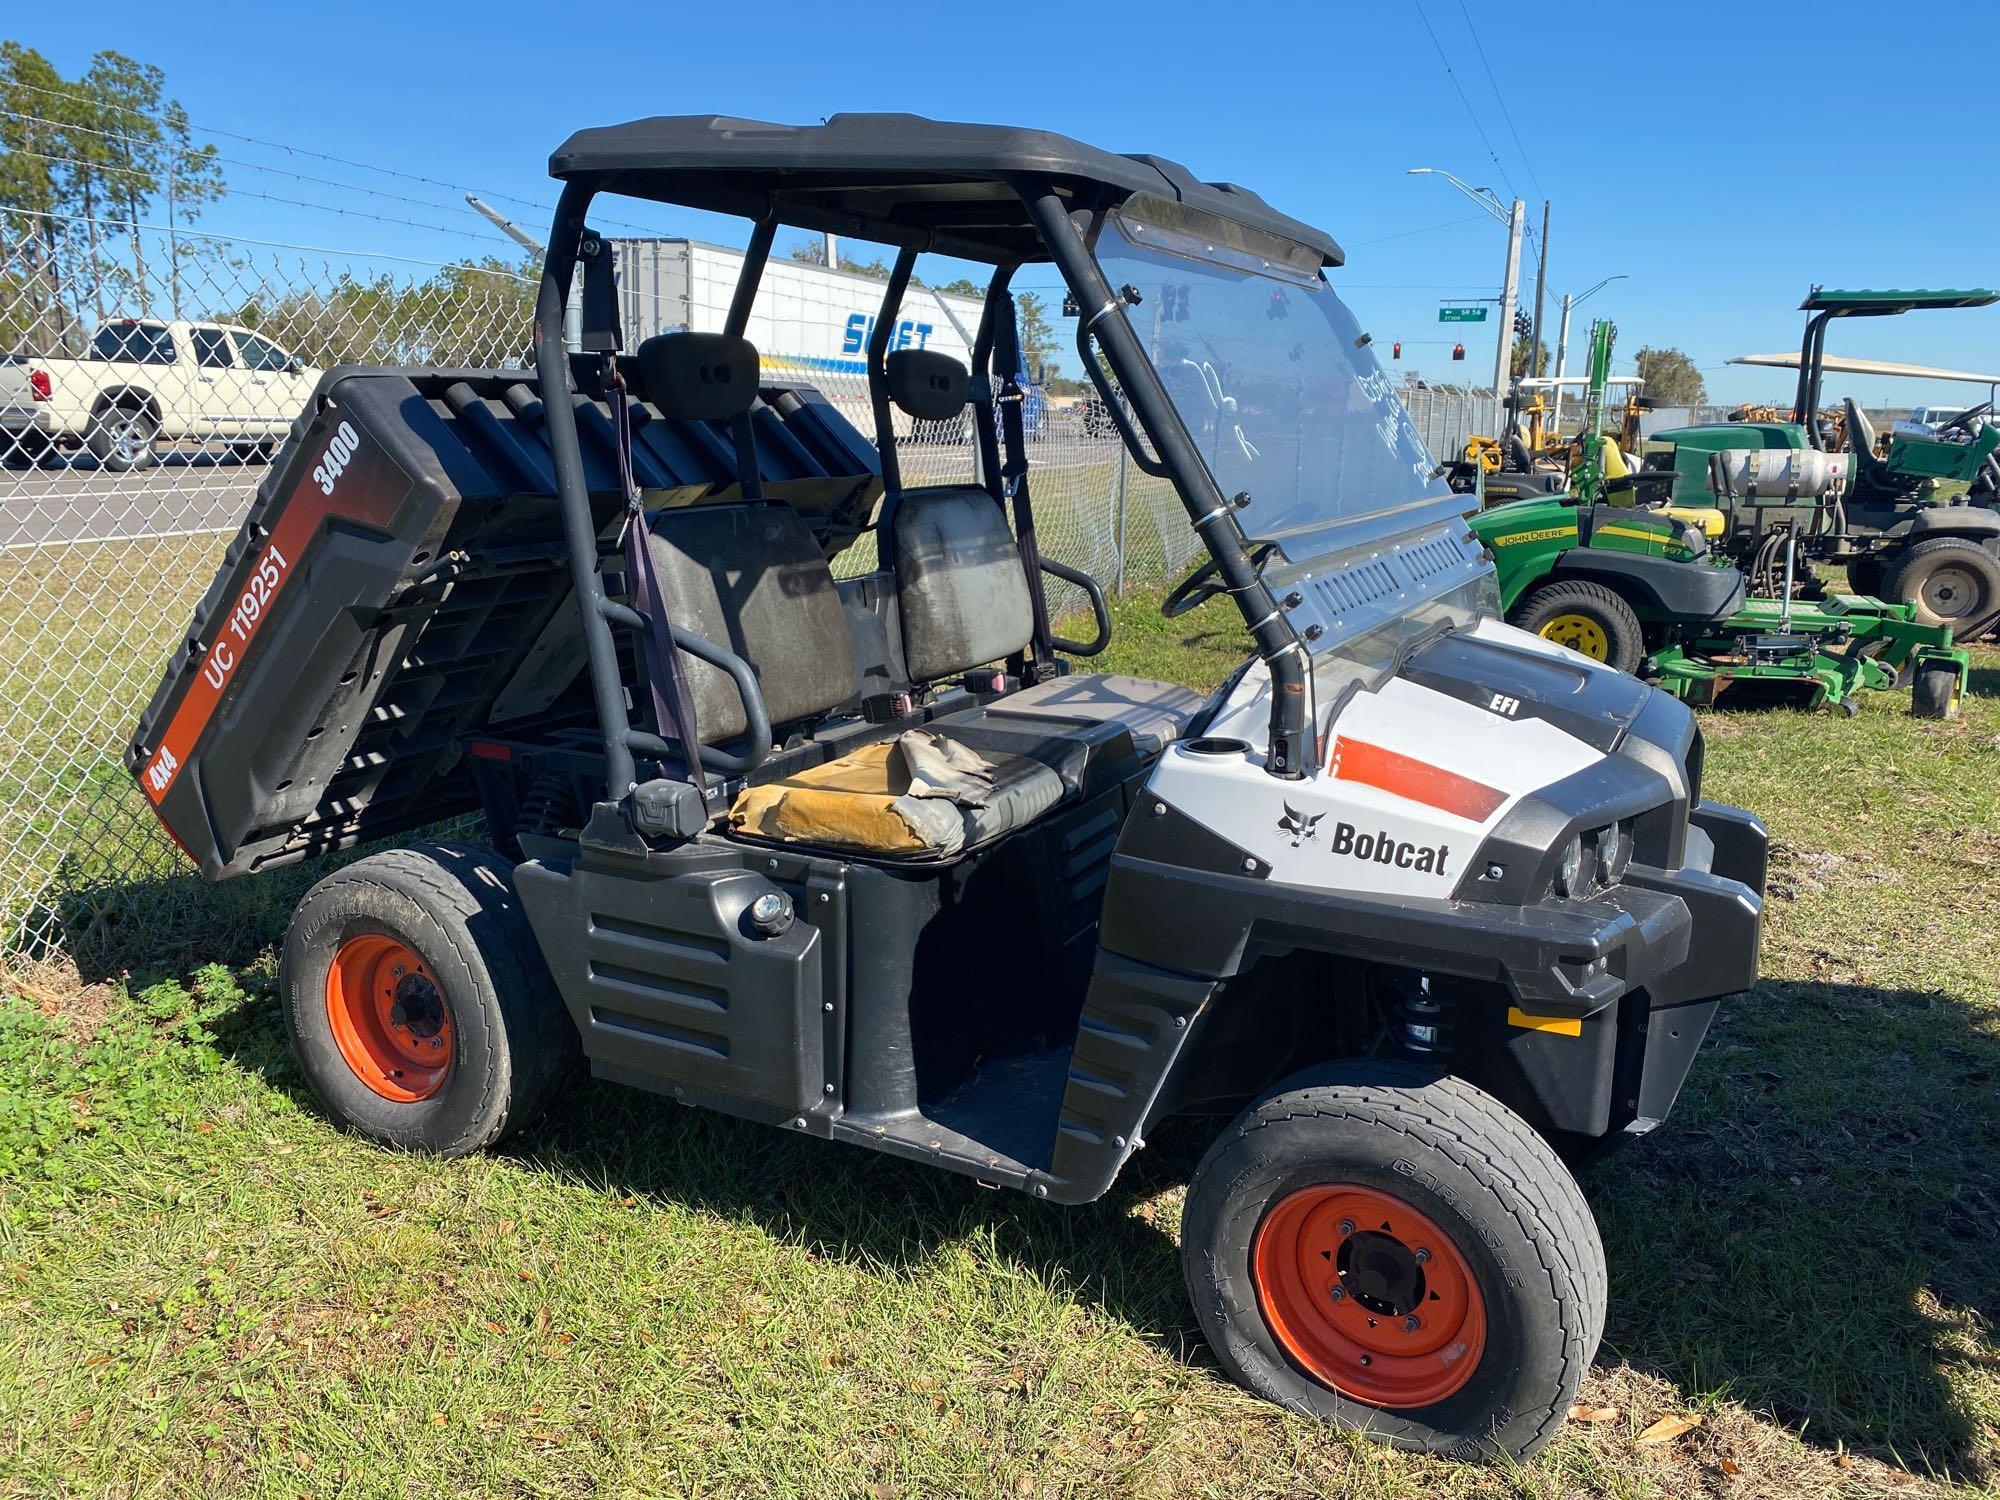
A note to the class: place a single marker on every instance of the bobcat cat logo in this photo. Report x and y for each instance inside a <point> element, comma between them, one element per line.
<point>1299,825</point>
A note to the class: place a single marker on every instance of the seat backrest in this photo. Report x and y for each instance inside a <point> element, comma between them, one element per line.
<point>752,578</point>
<point>961,590</point>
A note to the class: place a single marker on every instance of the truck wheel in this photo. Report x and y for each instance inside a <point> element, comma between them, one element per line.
<point>121,437</point>
<point>417,1003</point>
<point>1934,694</point>
<point>1397,1253</point>
<point>1586,617</point>
<point>1952,580</point>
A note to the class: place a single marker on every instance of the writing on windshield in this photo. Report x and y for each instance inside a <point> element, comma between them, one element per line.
<point>1262,361</point>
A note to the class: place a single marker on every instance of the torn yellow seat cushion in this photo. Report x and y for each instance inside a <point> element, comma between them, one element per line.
<point>856,802</point>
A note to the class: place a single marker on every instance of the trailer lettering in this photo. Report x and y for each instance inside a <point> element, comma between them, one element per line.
<point>1385,849</point>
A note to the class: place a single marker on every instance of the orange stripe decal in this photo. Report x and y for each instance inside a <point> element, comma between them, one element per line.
<point>1400,776</point>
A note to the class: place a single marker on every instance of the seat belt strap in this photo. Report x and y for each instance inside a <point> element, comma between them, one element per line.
<point>1040,664</point>
<point>666,677</point>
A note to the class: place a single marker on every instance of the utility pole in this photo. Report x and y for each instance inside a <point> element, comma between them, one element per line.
<point>1541,288</point>
<point>1562,362</point>
<point>1514,219</point>
<point>1562,341</point>
<point>1503,359</point>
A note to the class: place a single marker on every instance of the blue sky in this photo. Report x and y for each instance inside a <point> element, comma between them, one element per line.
<point>1720,156</point>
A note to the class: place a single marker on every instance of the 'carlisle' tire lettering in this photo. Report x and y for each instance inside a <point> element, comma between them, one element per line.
<point>1385,849</point>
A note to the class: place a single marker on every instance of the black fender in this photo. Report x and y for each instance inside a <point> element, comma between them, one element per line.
<point>113,397</point>
<point>1659,585</point>
<point>1975,523</point>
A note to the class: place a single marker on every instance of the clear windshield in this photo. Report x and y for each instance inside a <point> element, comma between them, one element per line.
<point>1260,358</point>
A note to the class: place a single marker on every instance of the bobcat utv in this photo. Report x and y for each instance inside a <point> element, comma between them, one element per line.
<point>1432,907</point>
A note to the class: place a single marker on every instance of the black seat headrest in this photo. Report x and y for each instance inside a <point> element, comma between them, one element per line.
<point>930,386</point>
<point>699,377</point>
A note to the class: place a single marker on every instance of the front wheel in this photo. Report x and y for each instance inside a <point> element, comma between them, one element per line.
<point>1934,693</point>
<point>1397,1253</point>
<point>418,1006</point>
<point>1586,617</point>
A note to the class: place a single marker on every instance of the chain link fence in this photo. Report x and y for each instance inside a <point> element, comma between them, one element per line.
<point>147,376</point>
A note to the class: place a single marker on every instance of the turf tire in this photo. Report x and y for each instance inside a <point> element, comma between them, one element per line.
<point>455,906</point>
<point>1472,1166</point>
<point>1904,580</point>
<point>1624,640</point>
<point>1934,692</point>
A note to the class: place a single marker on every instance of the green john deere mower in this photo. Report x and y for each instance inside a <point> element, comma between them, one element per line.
<point>1917,523</point>
<point>1612,570</point>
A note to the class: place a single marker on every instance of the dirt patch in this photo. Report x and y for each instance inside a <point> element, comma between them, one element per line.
<point>60,993</point>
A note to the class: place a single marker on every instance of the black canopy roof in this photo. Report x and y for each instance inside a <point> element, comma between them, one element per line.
<point>899,179</point>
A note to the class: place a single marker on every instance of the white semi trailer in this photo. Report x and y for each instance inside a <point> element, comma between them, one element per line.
<point>806,317</point>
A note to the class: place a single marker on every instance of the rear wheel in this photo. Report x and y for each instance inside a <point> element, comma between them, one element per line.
<point>121,438</point>
<point>1952,580</point>
<point>417,1002</point>
<point>1864,575</point>
<point>1397,1253</point>
<point>1586,617</point>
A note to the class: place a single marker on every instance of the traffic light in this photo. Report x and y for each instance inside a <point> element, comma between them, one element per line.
<point>1396,350</point>
<point>1523,324</point>
<point>1458,351</point>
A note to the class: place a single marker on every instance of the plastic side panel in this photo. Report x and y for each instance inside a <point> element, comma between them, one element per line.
<point>671,988</point>
<point>1133,1027</point>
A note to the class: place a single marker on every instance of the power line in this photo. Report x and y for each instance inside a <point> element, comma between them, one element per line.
<point>1498,165</point>
<point>1404,234</point>
<point>1499,98</point>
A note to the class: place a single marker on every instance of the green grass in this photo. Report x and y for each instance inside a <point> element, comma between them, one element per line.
<point>207,1289</point>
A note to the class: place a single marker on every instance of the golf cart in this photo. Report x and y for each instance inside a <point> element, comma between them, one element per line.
<point>1841,500</point>
<point>1430,907</point>
<point>1610,569</point>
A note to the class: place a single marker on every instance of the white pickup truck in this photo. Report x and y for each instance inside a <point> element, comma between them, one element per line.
<point>147,380</point>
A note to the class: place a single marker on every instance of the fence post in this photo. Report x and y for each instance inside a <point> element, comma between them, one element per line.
<point>1118,524</point>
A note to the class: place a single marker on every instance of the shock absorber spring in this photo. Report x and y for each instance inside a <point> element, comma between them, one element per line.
<point>1423,1020</point>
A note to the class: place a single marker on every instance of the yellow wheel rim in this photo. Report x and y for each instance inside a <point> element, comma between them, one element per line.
<point>1580,633</point>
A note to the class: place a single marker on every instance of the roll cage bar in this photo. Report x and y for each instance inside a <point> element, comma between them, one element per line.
<point>1023,216</point>
<point>1824,306</point>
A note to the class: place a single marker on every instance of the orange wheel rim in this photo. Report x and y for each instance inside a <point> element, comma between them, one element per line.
<point>1368,1296</point>
<point>389,1017</point>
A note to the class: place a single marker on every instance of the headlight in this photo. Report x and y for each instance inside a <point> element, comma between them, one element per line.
<point>1614,854</point>
<point>1591,861</point>
<point>1569,869</point>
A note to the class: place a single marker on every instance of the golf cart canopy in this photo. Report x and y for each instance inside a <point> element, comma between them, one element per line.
<point>1844,304</point>
<point>897,179</point>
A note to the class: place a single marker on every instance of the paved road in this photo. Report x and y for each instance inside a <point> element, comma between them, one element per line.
<point>70,499</point>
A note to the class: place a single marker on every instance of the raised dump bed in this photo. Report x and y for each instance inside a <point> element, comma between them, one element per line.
<point>400,581</point>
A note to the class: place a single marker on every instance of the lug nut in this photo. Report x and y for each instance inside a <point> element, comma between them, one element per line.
<point>1346,1227</point>
<point>1336,1293</point>
<point>1423,1256</point>
<point>1412,1323</point>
